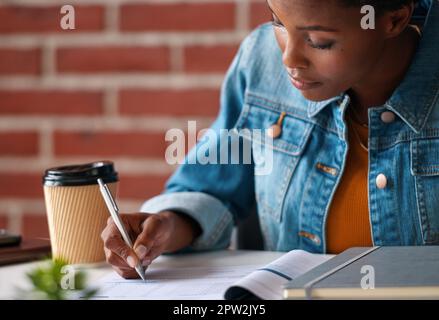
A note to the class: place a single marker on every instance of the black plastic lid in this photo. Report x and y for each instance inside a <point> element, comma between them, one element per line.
<point>80,174</point>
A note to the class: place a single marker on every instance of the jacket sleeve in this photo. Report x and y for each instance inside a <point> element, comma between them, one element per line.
<point>215,195</point>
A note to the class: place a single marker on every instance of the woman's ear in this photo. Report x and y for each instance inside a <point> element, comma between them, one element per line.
<point>396,21</point>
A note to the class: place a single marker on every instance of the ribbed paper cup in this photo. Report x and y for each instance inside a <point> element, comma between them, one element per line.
<point>76,211</point>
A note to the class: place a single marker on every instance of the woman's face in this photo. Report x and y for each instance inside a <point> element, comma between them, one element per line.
<point>325,50</point>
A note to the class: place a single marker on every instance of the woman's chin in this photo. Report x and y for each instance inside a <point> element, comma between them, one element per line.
<point>316,96</point>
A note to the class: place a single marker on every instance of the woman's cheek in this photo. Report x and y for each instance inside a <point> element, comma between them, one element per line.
<point>339,68</point>
<point>330,68</point>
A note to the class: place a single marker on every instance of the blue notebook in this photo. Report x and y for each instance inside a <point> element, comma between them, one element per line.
<point>372,273</point>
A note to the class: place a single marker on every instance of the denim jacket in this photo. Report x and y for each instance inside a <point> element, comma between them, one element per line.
<point>293,201</point>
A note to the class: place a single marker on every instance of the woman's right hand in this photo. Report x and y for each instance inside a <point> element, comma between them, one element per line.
<point>152,235</point>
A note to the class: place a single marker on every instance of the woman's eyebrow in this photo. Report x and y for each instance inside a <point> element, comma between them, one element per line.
<point>307,28</point>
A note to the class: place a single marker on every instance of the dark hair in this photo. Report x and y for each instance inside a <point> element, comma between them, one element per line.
<point>379,5</point>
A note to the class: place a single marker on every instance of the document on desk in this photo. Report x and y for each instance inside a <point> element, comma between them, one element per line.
<point>213,283</point>
<point>183,283</point>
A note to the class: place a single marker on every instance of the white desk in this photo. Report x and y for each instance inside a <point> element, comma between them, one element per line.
<point>14,276</point>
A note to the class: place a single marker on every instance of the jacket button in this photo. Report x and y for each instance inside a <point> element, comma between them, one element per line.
<point>381,181</point>
<point>387,117</point>
<point>313,237</point>
<point>274,131</point>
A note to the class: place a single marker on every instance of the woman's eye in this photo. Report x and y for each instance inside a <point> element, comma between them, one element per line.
<point>276,23</point>
<point>323,46</point>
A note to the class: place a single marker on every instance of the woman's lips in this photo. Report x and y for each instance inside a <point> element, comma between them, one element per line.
<point>304,85</point>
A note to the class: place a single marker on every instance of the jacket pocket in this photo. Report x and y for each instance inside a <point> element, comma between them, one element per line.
<point>274,159</point>
<point>425,169</point>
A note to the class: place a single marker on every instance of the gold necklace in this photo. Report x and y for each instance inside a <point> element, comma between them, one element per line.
<point>357,117</point>
<point>357,135</point>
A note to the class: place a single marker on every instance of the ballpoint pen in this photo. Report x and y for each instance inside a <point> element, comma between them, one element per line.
<point>114,212</point>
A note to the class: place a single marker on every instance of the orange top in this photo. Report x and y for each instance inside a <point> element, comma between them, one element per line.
<point>348,223</point>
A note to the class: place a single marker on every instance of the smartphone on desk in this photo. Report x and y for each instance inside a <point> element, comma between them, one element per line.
<point>8,238</point>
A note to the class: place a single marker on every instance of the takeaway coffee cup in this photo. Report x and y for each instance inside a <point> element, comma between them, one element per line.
<point>76,211</point>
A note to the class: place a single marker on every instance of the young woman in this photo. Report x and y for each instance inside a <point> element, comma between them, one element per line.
<point>354,119</point>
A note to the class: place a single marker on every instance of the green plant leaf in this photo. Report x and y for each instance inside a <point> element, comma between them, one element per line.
<point>46,281</point>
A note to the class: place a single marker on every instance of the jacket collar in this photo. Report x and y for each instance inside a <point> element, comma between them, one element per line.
<point>314,107</point>
<point>417,95</point>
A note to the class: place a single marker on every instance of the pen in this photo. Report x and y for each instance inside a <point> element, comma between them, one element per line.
<point>114,212</point>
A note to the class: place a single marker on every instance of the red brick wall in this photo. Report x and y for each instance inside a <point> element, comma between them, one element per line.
<point>107,90</point>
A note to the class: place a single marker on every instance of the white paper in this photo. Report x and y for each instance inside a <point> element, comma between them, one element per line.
<point>209,282</point>
<point>195,283</point>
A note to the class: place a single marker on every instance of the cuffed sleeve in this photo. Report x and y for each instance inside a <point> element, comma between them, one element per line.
<point>214,218</point>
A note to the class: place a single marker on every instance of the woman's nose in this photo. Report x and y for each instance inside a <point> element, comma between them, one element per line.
<point>293,57</point>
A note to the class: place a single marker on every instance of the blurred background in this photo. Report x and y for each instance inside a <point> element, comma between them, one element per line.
<point>109,89</point>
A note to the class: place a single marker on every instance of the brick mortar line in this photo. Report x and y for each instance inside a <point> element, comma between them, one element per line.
<point>147,166</point>
<point>17,208</point>
<point>48,58</point>
<point>146,124</point>
<point>15,220</point>
<point>131,206</point>
<point>105,2</point>
<point>23,203</point>
<point>112,17</point>
<point>46,143</point>
<point>145,38</point>
<point>110,103</point>
<point>242,16</point>
<point>105,81</point>
<point>177,58</point>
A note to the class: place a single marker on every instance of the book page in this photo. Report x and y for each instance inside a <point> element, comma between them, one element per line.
<point>266,282</point>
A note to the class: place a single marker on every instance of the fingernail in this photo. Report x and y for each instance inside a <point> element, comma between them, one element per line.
<point>141,251</point>
<point>131,262</point>
<point>146,262</point>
